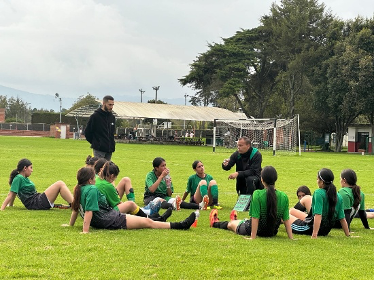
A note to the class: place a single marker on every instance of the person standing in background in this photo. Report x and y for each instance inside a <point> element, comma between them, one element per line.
<point>100,130</point>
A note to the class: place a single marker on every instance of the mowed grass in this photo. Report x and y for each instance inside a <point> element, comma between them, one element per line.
<point>33,245</point>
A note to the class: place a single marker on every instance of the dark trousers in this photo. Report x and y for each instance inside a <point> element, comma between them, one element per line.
<point>251,183</point>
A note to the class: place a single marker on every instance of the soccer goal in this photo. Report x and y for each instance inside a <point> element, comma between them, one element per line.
<point>265,134</point>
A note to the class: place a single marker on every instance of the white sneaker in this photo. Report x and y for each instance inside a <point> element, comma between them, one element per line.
<point>203,205</point>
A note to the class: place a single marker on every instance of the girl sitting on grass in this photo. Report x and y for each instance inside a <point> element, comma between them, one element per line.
<point>24,188</point>
<point>326,208</point>
<point>268,208</point>
<point>96,212</point>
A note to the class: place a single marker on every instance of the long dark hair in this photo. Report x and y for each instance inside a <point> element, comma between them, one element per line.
<point>351,178</point>
<point>327,177</point>
<point>90,160</point>
<point>304,189</point>
<point>157,162</point>
<point>99,164</point>
<point>21,164</point>
<point>83,176</point>
<point>269,177</point>
<point>195,164</point>
<point>109,169</point>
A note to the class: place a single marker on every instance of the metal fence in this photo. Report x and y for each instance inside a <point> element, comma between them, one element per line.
<point>25,126</point>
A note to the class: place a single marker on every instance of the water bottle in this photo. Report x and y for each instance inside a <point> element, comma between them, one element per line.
<point>168,180</point>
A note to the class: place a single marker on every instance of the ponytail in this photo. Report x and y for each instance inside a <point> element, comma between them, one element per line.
<point>83,176</point>
<point>109,169</point>
<point>327,177</point>
<point>269,177</point>
<point>351,178</point>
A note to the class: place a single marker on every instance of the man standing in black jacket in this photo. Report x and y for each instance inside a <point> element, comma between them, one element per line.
<point>100,130</point>
<point>248,161</point>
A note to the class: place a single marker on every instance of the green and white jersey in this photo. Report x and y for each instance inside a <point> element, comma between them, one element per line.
<point>93,200</point>
<point>320,206</point>
<point>24,188</point>
<point>258,209</point>
<point>109,191</point>
<point>348,198</point>
<point>161,191</point>
<point>193,182</point>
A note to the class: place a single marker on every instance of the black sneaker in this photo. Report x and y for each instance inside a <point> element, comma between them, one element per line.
<point>185,224</point>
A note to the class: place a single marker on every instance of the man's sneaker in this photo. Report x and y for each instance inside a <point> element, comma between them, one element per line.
<point>213,217</point>
<point>154,207</point>
<point>203,205</point>
<point>177,203</point>
<point>233,215</point>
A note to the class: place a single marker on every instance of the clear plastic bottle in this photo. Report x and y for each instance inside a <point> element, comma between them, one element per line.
<point>168,180</point>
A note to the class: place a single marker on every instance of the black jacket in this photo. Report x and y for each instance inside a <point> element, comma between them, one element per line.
<point>100,131</point>
<point>244,165</point>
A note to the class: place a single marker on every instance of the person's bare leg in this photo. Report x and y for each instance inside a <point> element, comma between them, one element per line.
<point>197,195</point>
<point>124,186</point>
<point>127,207</point>
<point>297,213</point>
<point>232,225</point>
<point>57,188</point>
<point>135,222</point>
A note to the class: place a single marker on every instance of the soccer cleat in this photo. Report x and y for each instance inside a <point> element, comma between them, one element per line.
<point>177,203</point>
<point>203,205</point>
<point>213,217</point>
<point>185,224</point>
<point>233,215</point>
<point>154,207</point>
<point>217,207</point>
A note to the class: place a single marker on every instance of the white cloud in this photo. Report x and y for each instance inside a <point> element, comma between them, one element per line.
<point>117,47</point>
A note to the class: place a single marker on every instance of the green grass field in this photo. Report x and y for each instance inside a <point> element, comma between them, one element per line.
<point>33,244</point>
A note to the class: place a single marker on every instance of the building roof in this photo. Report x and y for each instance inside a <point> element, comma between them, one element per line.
<point>130,110</point>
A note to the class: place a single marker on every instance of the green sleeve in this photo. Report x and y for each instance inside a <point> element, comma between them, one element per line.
<point>92,200</point>
<point>340,208</point>
<point>16,184</point>
<point>317,203</point>
<point>254,210</point>
<point>150,179</point>
<point>346,202</point>
<point>286,209</point>
<point>111,195</point>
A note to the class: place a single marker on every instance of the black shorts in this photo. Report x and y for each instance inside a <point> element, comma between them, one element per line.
<point>244,227</point>
<point>301,227</point>
<point>38,202</point>
<point>109,220</point>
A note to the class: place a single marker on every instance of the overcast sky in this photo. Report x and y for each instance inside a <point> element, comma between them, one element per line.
<point>117,47</point>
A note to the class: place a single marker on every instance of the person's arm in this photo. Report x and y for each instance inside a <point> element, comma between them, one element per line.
<point>288,228</point>
<point>86,221</point>
<point>254,227</point>
<point>316,227</point>
<point>185,195</point>
<point>89,129</point>
<point>73,218</point>
<point>155,185</point>
<point>227,165</point>
<point>363,217</point>
<point>10,199</point>
<point>344,226</point>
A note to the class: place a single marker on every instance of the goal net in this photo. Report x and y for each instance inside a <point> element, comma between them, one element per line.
<point>265,134</point>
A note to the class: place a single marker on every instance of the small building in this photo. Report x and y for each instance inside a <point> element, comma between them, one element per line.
<point>360,138</point>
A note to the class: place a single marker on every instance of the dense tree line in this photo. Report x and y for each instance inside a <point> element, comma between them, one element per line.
<point>300,60</point>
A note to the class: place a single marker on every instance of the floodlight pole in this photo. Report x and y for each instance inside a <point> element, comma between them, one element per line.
<point>58,96</point>
<point>141,93</point>
<point>156,88</point>
<point>186,95</point>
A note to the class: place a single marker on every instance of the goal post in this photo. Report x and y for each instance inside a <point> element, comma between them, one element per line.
<point>265,134</point>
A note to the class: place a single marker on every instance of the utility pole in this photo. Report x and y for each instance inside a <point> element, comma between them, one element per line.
<point>156,88</point>
<point>141,93</point>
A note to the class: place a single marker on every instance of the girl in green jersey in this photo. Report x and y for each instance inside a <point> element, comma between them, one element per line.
<point>268,209</point>
<point>24,188</point>
<point>96,212</point>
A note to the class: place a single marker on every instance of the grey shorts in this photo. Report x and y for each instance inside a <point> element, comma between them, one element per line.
<point>244,227</point>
